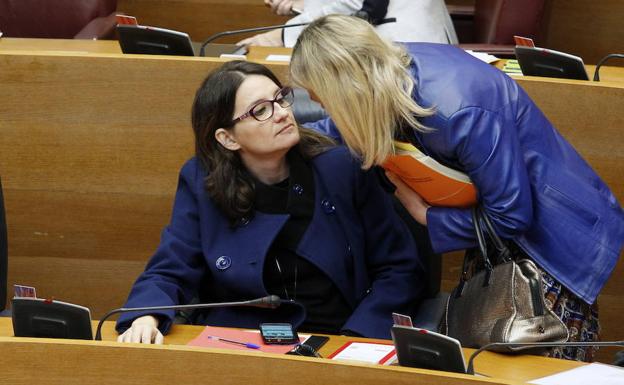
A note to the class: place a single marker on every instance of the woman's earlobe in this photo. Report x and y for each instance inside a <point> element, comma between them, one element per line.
<point>225,138</point>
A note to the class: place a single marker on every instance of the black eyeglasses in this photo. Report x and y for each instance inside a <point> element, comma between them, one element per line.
<point>263,110</point>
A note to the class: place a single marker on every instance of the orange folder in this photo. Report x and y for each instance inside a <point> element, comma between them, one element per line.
<point>437,184</point>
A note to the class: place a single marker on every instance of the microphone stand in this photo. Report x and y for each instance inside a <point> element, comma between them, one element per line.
<point>270,302</point>
<point>202,50</point>
<point>519,345</point>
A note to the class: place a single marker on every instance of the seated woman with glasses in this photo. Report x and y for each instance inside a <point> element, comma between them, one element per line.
<point>266,207</point>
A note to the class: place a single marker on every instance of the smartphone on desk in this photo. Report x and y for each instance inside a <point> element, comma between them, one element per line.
<point>278,333</point>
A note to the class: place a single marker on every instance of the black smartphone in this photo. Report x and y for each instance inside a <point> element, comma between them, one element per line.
<point>278,333</point>
<point>310,347</point>
<point>316,342</point>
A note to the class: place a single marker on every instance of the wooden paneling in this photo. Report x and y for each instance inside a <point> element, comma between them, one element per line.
<point>100,284</point>
<point>90,150</point>
<point>202,18</point>
<point>586,28</point>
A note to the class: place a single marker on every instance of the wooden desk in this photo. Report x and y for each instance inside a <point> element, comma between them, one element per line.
<point>608,74</point>
<point>86,47</point>
<point>29,360</point>
<point>92,142</point>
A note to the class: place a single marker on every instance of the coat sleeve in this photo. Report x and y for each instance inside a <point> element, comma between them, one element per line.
<point>175,270</point>
<point>486,145</point>
<point>396,273</point>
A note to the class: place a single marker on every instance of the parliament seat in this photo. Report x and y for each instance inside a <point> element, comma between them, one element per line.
<point>490,25</point>
<point>59,19</point>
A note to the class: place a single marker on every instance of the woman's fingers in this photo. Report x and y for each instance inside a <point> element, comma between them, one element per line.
<point>410,199</point>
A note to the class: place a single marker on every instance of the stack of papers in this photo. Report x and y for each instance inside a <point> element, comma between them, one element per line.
<point>512,68</point>
<point>371,353</point>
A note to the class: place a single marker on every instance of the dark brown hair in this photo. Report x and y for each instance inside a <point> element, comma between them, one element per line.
<point>228,182</point>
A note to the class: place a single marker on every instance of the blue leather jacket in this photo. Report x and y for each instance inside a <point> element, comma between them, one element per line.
<point>536,188</point>
<point>368,255</point>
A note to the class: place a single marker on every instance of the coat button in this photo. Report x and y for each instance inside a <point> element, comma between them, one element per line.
<point>244,221</point>
<point>298,189</point>
<point>223,262</point>
<point>327,206</point>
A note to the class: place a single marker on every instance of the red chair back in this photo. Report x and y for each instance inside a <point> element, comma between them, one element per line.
<point>62,19</point>
<point>497,21</point>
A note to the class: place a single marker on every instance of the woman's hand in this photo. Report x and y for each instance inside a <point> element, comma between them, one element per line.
<point>267,39</point>
<point>285,7</point>
<point>143,330</point>
<point>410,199</point>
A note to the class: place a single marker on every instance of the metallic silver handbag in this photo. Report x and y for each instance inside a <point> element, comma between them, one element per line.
<point>502,302</point>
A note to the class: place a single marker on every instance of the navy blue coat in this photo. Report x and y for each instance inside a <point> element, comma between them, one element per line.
<point>355,237</point>
<point>536,188</point>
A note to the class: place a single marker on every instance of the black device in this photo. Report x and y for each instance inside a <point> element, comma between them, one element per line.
<point>37,317</point>
<point>268,302</point>
<point>202,48</point>
<point>535,61</point>
<point>316,342</point>
<point>421,348</point>
<point>309,347</point>
<point>139,39</point>
<point>278,333</point>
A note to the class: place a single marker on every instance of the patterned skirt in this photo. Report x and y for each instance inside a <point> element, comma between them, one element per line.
<point>580,317</point>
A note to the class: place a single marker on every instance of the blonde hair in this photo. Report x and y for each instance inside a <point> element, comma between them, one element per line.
<point>363,81</point>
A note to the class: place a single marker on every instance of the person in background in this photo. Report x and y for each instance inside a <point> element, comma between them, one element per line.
<point>266,207</point>
<point>542,197</point>
<point>396,20</point>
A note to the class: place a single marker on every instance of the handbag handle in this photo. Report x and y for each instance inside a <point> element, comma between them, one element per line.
<point>468,257</point>
<point>503,251</point>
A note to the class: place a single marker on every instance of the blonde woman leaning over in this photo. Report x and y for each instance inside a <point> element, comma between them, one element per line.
<point>541,195</point>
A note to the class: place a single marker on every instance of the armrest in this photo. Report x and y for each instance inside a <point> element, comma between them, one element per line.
<point>99,28</point>
<point>506,51</point>
<point>461,11</point>
<point>430,312</point>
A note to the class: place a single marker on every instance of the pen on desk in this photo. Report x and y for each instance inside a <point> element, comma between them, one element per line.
<point>245,344</point>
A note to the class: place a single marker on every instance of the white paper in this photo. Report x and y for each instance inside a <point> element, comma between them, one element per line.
<point>365,352</point>
<point>278,58</point>
<point>232,56</point>
<point>483,56</point>
<point>583,375</point>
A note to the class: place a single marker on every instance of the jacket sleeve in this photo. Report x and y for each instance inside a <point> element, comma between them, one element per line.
<point>327,127</point>
<point>486,145</point>
<point>175,270</point>
<point>310,13</point>
<point>396,273</point>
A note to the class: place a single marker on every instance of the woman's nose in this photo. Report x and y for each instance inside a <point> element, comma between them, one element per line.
<point>280,112</point>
